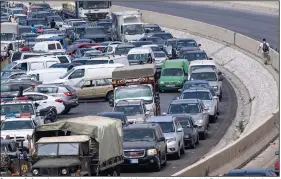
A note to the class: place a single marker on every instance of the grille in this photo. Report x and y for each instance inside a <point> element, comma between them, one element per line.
<point>134,153</point>
<point>49,171</point>
<point>17,138</point>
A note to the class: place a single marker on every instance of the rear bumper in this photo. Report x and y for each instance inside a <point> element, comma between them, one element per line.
<point>71,104</point>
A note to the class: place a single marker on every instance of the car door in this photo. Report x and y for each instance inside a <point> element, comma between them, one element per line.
<point>87,90</point>
<point>102,87</point>
<point>194,129</point>
<point>179,134</point>
<point>76,76</point>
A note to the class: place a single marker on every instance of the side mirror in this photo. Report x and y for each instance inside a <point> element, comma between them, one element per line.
<point>215,97</point>
<point>199,45</point>
<point>111,103</point>
<point>164,114</point>
<point>180,130</point>
<point>219,73</point>
<point>210,58</point>
<point>277,153</point>
<point>161,139</point>
<point>206,108</point>
<point>220,78</point>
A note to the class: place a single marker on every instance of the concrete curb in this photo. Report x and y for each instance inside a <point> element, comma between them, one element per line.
<point>248,145</point>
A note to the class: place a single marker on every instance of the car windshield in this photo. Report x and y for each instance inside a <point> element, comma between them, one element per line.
<point>153,29</point>
<point>194,56</point>
<point>68,149</point>
<point>208,76</point>
<point>67,73</point>
<point>185,123</point>
<point>133,29</point>
<point>137,57</point>
<point>202,66</point>
<point>47,149</point>
<point>172,72</point>
<point>156,40</point>
<point>75,24</point>
<point>41,15</point>
<point>12,87</point>
<point>160,55</point>
<point>130,135</point>
<point>36,22</point>
<point>6,36</point>
<point>190,85</point>
<point>82,51</point>
<point>95,31</point>
<point>94,4</point>
<point>130,110</point>
<point>186,43</point>
<point>172,43</point>
<point>167,127</point>
<point>16,109</point>
<point>164,36</point>
<point>16,125</point>
<point>191,108</point>
<point>156,49</point>
<point>197,95</point>
<point>122,50</point>
<point>135,92</point>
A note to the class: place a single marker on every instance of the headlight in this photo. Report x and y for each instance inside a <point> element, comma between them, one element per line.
<point>215,87</point>
<point>171,140</point>
<point>64,171</point>
<point>151,152</point>
<point>199,121</point>
<point>161,82</point>
<point>35,172</point>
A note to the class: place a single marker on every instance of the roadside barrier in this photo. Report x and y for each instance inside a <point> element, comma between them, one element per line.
<point>249,144</point>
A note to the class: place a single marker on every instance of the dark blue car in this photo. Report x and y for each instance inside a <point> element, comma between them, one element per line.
<point>198,83</point>
<point>254,172</point>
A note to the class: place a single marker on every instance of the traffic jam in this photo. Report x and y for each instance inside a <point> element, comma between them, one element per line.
<point>57,59</point>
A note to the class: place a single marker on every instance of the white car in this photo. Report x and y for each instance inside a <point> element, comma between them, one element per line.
<point>45,101</point>
<point>173,133</point>
<point>212,102</point>
<point>18,127</point>
<point>160,58</point>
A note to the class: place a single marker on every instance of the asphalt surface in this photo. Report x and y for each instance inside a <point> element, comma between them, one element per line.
<point>254,25</point>
<point>228,107</point>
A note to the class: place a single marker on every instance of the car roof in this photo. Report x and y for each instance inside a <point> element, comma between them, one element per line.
<point>161,119</point>
<point>200,70</point>
<point>197,88</point>
<point>141,126</point>
<point>185,101</point>
<point>202,62</point>
<point>195,51</point>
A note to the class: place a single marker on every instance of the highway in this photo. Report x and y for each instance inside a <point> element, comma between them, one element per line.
<point>251,24</point>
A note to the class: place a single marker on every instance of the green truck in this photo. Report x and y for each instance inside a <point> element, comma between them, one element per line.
<point>173,74</point>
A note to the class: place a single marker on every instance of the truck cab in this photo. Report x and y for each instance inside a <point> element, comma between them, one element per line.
<point>127,26</point>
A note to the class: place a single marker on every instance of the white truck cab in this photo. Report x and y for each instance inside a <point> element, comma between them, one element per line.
<point>48,47</point>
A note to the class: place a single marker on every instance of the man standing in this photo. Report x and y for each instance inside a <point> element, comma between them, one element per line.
<point>53,24</point>
<point>265,51</point>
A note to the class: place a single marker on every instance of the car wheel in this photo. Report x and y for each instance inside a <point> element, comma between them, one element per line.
<point>183,149</point>
<point>197,140</point>
<point>66,111</point>
<point>178,154</point>
<point>109,96</point>
<point>203,135</point>
<point>158,165</point>
<point>165,159</point>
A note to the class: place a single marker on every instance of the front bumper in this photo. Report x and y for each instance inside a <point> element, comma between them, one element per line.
<point>201,129</point>
<point>174,86</point>
<point>172,147</point>
<point>144,161</point>
<point>187,141</point>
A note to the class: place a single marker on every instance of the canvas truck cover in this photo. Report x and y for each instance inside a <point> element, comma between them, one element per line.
<point>8,27</point>
<point>135,71</point>
<point>107,132</point>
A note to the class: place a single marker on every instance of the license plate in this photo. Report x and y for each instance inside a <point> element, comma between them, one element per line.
<point>170,85</point>
<point>134,161</point>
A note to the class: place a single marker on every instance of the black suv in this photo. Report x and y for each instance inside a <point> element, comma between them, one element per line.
<point>144,145</point>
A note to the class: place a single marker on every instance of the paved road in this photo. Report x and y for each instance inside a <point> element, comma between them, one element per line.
<point>228,108</point>
<point>254,25</point>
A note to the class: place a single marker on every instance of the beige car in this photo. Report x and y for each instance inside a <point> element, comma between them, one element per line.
<point>94,88</point>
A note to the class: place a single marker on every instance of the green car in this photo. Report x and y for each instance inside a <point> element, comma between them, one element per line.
<point>173,74</point>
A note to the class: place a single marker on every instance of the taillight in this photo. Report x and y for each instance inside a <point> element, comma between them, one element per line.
<point>68,93</point>
<point>59,100</point>
<point>277,166</point>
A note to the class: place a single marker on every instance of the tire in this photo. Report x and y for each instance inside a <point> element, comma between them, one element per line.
<point>197,141</point>
<point>113,173</point>
<point>109,95</point>
<point>66,111</point>
<point>178,154</point>
<point>182,149</point>
<point>203,136</point>
<point>165,161</point>
<point>157,166</point>
<point>213,118</point>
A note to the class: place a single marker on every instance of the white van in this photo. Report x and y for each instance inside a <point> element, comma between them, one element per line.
<point>23,55</point>
<point>48,47</point>
<point>110,58</point>
<point>140,55</point>
<point>73,76</point>
<point>47,75</point>
<point>33,63</point>
<point>196,64</point>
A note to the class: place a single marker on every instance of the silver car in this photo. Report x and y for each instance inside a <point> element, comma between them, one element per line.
<point>207,98</point>
<point>65,92</point>
<point>210,75</point>
<point>134,110</point>
<point>196,109</point>
<point>160,58</point>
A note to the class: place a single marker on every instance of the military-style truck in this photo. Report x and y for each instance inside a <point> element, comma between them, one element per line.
<point>82,146</point>
<point>137,82</point>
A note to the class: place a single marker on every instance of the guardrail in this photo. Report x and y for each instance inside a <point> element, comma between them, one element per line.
<point>248,145</point>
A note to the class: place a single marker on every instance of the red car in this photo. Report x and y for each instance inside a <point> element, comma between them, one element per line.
<point>72,48</point>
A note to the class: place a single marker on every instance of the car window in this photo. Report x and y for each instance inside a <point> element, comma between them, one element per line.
<point>38,97</point>
<point>90,83</point>
<point>51,46</point>
<point>109,49</point>
<point>46,90</point>
<point>101,82</point>
<point>36,65</point>
<point>63,59</point>
<point>16,56</point>
<point>77,74</point>
<point>58,46</point>
<point>50,63</point>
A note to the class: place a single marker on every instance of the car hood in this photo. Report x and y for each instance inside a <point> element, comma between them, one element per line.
<point>196,116</point>
<point>169,135</point>
<point>20,133</point>
<point>171,78</point>
<point>139,145</point>
<point>133,37</point>
<point>207,102</point>
<point>56,162</point>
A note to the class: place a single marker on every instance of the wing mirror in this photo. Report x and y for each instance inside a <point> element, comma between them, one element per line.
<point>219,73</point>
<point>161,139</point>
<point>215,97</point>
<point>111,103</point>
<point>180,130</point>
<point>220,78</point>
<point>206,108</point>
<point>199,45</point>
